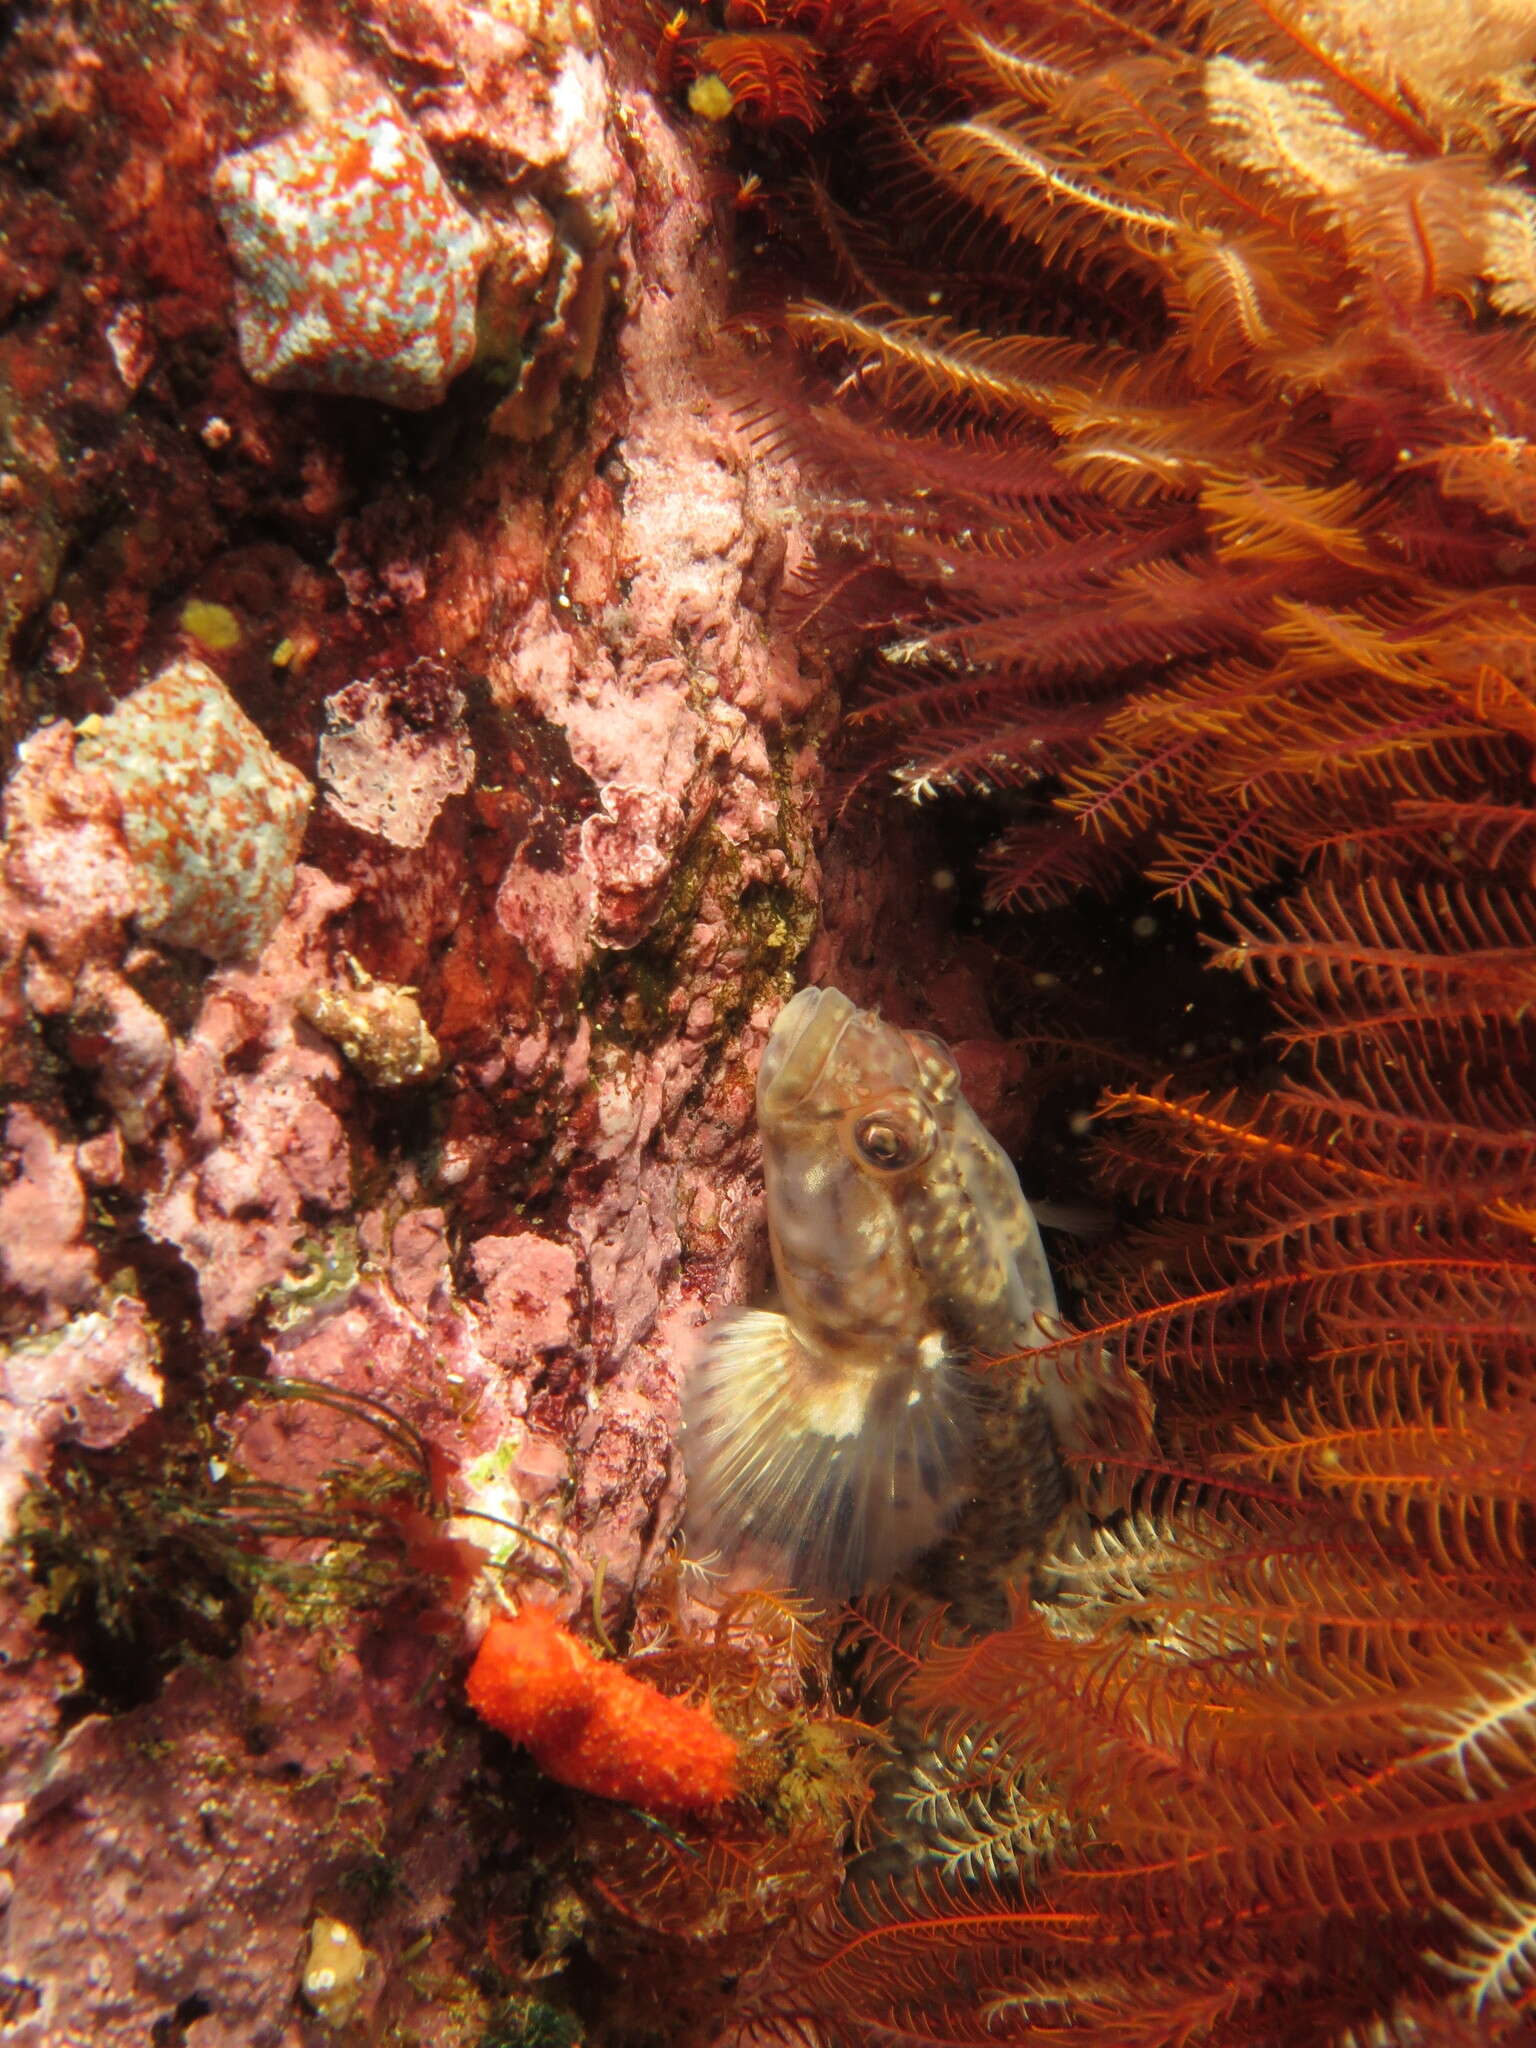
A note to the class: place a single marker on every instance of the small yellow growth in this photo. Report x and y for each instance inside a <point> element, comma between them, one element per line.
<point>213,626</point>
<point>554,23</point>
<point>710,98</point>
<point>378,1028</point>
<point>334,1971</point>
<point>296,650</point>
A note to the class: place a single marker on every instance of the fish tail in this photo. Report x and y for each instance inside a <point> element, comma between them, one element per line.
<point>799,1469</point>
<point>1100,1411</point>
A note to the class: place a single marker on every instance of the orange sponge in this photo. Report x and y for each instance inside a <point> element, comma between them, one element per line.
<point>592,1726</point>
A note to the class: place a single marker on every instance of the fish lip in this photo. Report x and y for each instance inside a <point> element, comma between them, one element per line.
<point>806,1034</point>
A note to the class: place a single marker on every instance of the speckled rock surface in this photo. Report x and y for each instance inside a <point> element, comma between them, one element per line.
<point>359,269</point>
<point>211,816</point>
<point>202,1828</point>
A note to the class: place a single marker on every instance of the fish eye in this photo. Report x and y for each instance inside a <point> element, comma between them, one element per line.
<point>890,1143</point>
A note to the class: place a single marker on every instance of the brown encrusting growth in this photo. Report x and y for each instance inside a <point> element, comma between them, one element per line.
<point>1171,383</point>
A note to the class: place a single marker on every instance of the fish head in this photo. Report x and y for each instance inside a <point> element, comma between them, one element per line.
<point>892,1211</point>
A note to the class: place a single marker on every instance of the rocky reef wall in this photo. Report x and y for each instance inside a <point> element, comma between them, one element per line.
<point>407,843</point>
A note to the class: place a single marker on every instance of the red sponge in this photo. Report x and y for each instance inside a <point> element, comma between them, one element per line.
<point>592,1726</point>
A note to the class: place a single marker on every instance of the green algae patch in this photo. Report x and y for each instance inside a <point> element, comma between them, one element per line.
<point>330,1271</point>
<point>533,2023</point>
<point>767,925</point>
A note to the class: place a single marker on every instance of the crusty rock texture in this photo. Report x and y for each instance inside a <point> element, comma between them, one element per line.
<point>516,643</point>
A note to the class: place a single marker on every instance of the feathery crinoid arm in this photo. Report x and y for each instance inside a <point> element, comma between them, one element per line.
<point>1218,281</point>
<point>1249,292</point>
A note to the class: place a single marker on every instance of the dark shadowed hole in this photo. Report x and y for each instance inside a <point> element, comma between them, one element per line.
<point>18,2000</point>
<point>171,2028</point>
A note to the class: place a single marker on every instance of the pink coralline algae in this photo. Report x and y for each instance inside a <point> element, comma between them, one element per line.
<point>88,1383</point>
<point>212,817</point>
<point>393,753</point>
<point>42,1218</point>
<point>67,888</point>
<point>570,773</point>
<point>253,1152</point>
<point>358,267</point>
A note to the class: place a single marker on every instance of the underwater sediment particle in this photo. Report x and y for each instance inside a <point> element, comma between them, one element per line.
<point>358,269</point>
<point>212,816</point>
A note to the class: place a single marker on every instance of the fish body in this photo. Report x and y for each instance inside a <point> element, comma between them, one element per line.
<point>834,1440</point>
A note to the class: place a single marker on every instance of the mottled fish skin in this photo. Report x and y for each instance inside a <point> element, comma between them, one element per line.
<point>832,1442</point>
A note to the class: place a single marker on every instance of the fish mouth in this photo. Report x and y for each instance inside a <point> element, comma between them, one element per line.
<point>807,1033</point>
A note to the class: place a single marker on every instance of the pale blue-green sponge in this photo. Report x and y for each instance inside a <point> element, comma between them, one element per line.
<point>212,816</point>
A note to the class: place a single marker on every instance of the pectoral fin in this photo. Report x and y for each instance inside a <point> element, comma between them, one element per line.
<point>827,1479</point>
